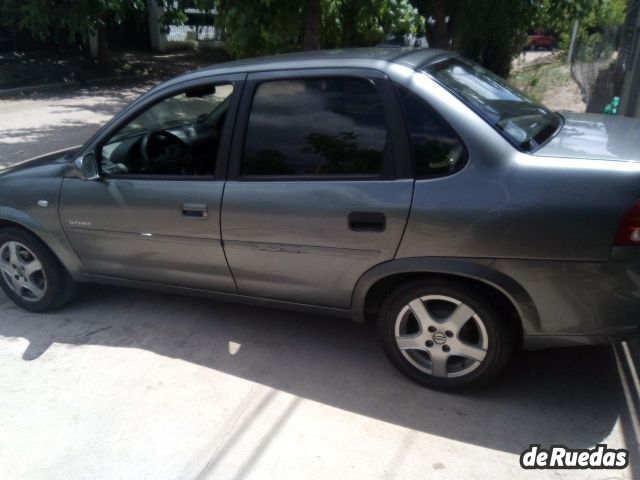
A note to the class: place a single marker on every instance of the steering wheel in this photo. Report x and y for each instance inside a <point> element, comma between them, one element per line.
<point>165,153</point>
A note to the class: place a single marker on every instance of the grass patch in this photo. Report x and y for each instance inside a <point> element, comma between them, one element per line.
<point>541,75</point>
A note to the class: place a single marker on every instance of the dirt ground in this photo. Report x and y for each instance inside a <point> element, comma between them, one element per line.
<point>546,77</point>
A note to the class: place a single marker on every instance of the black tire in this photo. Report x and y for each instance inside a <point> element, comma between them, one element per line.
<point>499,336</point>
<point>58,289</point>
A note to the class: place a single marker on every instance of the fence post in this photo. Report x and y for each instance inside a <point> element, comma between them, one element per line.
<point>629,101</point>
<point>572,45</point>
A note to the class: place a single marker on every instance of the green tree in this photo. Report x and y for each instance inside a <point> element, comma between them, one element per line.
<point>259,27</point>
<point>73,18</point>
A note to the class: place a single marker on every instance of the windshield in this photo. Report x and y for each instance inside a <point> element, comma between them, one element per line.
<point>523,122</point>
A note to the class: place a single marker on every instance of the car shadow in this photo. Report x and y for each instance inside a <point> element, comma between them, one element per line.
<point>565,396</point>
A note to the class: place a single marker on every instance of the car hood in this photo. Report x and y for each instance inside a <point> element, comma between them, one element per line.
<point>60,157</point>
<point>595,137</point>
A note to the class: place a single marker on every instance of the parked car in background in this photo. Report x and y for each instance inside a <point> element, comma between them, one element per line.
<point>411,187</point>
<point>540,40</point>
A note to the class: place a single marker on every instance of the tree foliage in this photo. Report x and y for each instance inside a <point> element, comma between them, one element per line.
<point>488,31</point>
<point>491,32</point>
<point>70,18</point>
<point>256,27</point>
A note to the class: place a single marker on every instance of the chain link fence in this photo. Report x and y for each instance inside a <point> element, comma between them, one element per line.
<point>594,66</point>
<point>601,59</point>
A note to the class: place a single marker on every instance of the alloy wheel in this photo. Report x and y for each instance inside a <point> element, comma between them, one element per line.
<point>441,336</point>
<point>22,271</point>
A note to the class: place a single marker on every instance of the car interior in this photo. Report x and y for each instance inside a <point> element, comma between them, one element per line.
<point>173,137</point>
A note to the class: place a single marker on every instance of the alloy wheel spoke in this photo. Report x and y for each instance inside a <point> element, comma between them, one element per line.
<point>35,290</point>
<point>463,349</point>
<point>13,253</point>
<point>32,267</point>
<point>415,342</point>
<point>421,313</point>
<point>438,363</point>
<point>5,266</point>
<point>461,315</point>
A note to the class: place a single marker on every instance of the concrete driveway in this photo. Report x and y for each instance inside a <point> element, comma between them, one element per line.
<point>129,384</point>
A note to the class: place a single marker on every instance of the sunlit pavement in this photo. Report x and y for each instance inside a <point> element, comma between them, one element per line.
<point>50,120</point>
<point>131,384</point>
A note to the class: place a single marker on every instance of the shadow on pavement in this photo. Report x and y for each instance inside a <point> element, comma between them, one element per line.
<point>49,121</point>
<point>566,396</point>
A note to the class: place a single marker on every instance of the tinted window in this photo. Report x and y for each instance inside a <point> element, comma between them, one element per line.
<point>523,122</point>
<point>437,149</point>
<point>330,126</point>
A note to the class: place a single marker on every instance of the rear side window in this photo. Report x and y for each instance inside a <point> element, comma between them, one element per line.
<point>315,127</point>
<point>437,148</point>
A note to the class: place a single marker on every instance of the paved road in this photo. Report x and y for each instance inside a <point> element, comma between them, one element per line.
<point>37,123</point>
<point>129,384</point>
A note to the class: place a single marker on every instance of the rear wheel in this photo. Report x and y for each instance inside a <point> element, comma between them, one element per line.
<point>444,334</point>
<point>30,274</point>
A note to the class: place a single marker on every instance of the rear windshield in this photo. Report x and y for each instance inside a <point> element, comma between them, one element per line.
<point>522,121</point>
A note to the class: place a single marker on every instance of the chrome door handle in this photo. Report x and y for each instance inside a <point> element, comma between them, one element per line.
<point>195,210</point>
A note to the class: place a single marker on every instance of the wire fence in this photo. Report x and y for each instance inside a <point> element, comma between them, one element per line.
<point>602,58</point>
<point>594,66</point>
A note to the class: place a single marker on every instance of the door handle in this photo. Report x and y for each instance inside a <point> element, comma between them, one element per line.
<point>195,210</point>
<point>367,221</point>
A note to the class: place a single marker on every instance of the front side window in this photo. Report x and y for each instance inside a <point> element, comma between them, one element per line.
<point>437,148</point>
<point>315,127</point>
<point>178,136</point>
<point>523,122</point>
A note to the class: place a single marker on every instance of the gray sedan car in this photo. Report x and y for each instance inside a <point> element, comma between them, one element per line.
<point>412,187</point>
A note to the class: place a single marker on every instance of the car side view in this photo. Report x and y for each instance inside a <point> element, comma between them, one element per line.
<point>411,187</point>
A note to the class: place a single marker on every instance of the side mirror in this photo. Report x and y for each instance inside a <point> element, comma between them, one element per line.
<point>86,167</point>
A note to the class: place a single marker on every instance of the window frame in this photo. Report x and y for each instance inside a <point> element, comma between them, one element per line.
<point>158,95</point>
<point>397,86</point>
<point>395,164</point>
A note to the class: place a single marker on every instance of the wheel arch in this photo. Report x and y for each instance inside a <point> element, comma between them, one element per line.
<point>377,281</point>
<point>11,218</point>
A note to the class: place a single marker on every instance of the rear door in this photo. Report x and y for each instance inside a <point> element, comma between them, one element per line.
<point>319,186</point>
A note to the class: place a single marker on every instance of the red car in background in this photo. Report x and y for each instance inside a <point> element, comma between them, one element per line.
<point>540,40</point>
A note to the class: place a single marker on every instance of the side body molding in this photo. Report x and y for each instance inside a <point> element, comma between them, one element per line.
<point>474,269</point>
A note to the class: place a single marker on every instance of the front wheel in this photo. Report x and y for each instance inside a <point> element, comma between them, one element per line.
<point>444,334</point>
<point>30,274</point>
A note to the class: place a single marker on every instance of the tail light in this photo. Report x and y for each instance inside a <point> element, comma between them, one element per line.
<point>629,230</point>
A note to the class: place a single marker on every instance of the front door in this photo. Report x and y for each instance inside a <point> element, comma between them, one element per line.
<point>316,196</point>
<point>154,215</point>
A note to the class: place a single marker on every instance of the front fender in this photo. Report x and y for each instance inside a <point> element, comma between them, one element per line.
<point>474,269</point>
<point>52,238</point>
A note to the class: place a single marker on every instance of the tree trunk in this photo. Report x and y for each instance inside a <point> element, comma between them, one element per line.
<point>440,34</point>
<point>348,24</point>
<point>311,36</point>
<point>103,51</point>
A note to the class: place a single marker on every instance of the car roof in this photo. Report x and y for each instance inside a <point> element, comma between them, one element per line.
<point>386,53</point>
<point>373,57</point>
